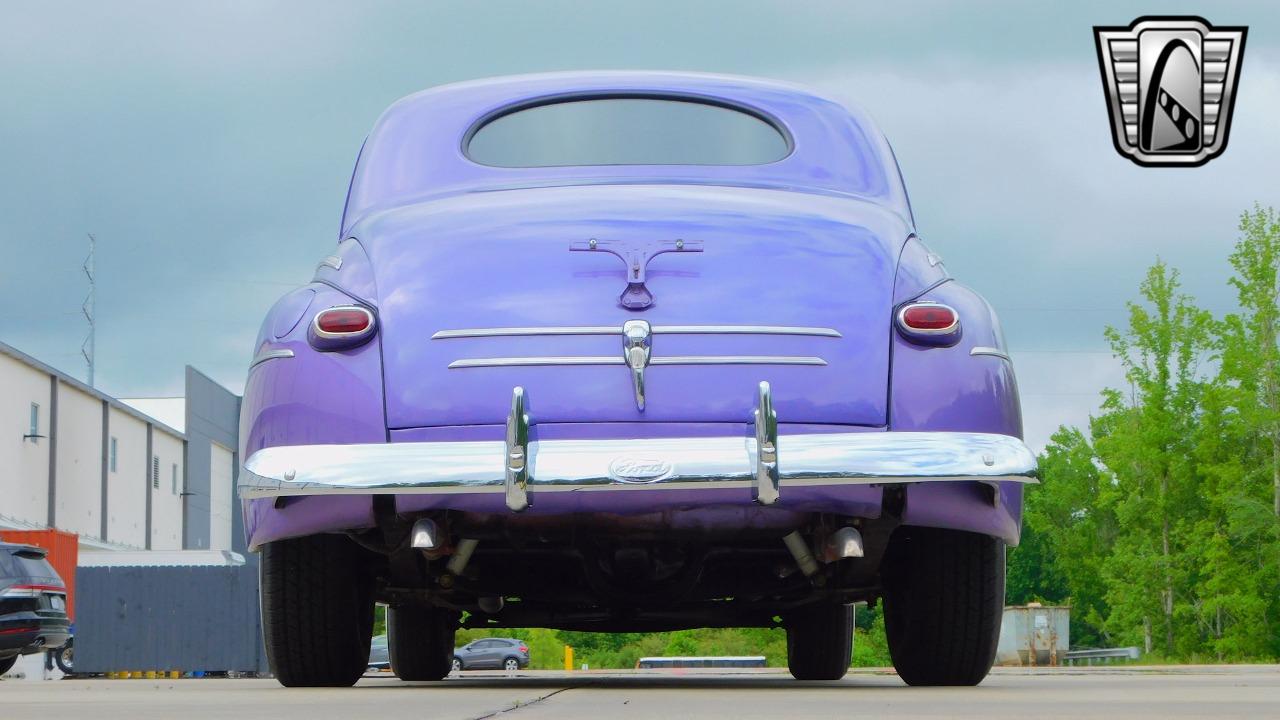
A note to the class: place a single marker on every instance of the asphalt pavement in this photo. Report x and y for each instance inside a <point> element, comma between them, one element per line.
<point>1217,692</point>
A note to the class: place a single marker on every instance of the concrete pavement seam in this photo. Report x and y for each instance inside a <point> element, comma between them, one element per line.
<point>521,705</point>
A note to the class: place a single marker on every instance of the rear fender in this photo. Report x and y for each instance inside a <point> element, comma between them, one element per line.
<point>297,395</point>
<point>954,389</point>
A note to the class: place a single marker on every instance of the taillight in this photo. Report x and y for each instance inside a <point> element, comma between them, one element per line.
<point>31,591</point>
<point>344,326</point>
<point>929,322</point>
<point>524,648</point>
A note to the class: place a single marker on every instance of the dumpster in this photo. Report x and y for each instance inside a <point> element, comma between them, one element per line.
<point>1034,635</point>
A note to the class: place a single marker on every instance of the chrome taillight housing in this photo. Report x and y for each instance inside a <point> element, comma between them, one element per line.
<point>929,323</point>
<point>341,327</point>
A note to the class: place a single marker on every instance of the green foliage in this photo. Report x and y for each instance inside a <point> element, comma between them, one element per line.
<point>870,648</point>
<point>624,650</point>
<point>1162,526</point>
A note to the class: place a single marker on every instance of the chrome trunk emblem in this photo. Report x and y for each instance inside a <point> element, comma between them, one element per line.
<point>637,256</point>
<point>637,345</point>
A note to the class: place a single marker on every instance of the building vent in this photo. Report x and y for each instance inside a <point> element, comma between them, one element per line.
<point>155,472</point>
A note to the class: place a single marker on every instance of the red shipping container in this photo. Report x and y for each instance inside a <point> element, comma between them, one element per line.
<point>64,553</point>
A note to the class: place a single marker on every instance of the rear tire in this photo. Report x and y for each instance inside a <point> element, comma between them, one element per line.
<point>65,658</point>
<point>420,640</point>
<point>943,601</point>
<point>317,610</point>
<point>820,642</point>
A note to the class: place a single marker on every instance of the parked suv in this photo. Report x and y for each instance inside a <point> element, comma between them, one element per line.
<point>33,604</point>
<point>492,653</point>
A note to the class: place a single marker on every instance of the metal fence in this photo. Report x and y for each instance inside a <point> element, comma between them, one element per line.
<point>1101,655</point>
<point>189,619</point>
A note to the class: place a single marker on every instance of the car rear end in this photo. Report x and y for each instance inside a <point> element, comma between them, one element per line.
<point>511,412</point>
<point>33,602</point>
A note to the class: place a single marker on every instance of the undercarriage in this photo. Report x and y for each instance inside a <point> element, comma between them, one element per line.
<point>624,573</point>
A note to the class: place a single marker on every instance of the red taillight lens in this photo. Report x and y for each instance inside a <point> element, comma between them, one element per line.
<point>928,317</point>
<point>340,327</point>
<point>524,648</point>
<point>344,321</point>
<point>929,322</point>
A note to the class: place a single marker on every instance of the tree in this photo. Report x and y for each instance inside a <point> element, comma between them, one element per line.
<point>1144,443</point>
<point>1067,515</point>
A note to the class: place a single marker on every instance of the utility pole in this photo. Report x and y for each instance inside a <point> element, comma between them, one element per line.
<point>89,308</point>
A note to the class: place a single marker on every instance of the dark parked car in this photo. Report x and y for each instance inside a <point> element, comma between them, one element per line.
<point>492,653</point>
<point>33,604</point>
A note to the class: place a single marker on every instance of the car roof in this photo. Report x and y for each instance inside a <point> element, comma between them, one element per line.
<point>415,151</point>
<point>22,547</point>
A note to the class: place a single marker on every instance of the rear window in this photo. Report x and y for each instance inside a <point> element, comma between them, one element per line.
<point>25,565</point>
<point>627,131</point>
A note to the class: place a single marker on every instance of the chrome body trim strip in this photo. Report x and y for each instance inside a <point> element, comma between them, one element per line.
<point>654,329</point>
<point>535,361</point>
<point>743,330</point>
<point>620,360</point>
<point>833,459</point>
<point>993,352</point>
<point>266,355</point>
<point>737,360</point>
<point>520,331</point>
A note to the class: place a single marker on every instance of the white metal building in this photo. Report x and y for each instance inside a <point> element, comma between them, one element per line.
<point>147,474</point>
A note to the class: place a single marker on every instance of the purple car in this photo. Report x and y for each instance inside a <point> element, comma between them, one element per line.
<point>630,352</point>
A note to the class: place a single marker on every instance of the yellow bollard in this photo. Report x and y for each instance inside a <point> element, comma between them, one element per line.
<point>568,657</point>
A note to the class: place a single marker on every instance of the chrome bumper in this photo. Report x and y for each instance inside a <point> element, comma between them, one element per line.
<point>521,470</point>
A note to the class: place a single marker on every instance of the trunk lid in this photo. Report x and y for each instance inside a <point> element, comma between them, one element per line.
<point>769,259</point>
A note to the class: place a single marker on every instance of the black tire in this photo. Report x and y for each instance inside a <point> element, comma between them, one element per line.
<point>511,664</point>
<point>64,657</point>
<point>7,664</point>
<point>420,640</point>
<point>820,642</point>
<point>317,610</point>
<point>943,601</point>
<point>457,664</point>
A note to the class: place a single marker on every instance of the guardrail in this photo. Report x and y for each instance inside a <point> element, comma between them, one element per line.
<point>1105,655</point>
<point>651,663</point>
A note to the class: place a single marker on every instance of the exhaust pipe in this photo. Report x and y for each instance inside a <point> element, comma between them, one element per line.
<point>424,535</point>
<point>461,556</point>
<point>843,543</point>
<point>800,551</point>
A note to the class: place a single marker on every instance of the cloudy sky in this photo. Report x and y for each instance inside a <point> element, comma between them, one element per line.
<point>208,147</point>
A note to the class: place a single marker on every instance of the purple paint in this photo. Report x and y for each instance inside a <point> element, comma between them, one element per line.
<point>822,238</point>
